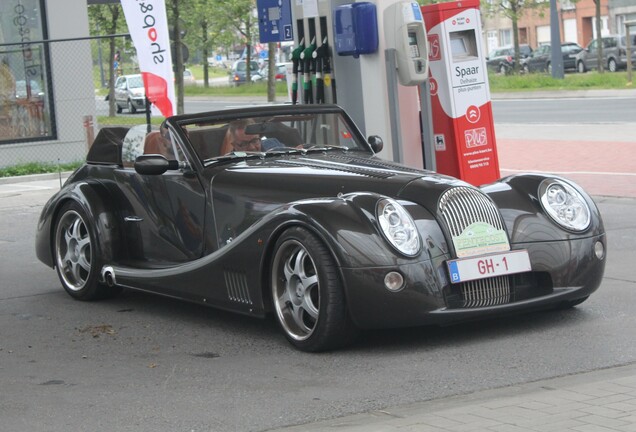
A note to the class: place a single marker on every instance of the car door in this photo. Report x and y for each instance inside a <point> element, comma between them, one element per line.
<point>163,215</point>
<point>591,56</point>
<point>538,59</point>
<point>120,91</point>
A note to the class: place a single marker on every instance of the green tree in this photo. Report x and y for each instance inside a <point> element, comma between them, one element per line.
<point>173,9</point>
<point>108,18</point>
<point>513,9</point>
<point>599,38</point>
<point>199,15</point>
<point>239,16</point>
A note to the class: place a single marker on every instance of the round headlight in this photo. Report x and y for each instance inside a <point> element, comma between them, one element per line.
<point>398,227</point>
<point>565,205</point>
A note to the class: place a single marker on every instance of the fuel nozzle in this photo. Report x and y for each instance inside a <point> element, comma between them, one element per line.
<point>296,67</point>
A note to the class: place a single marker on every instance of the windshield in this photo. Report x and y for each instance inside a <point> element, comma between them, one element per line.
<point>135,82</point>
<point>288,133</point>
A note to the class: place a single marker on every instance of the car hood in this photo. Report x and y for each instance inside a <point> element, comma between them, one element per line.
<point>279,180</point>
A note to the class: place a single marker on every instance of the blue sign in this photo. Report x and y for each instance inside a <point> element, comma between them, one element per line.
<point>274,20</point>
<point>263,54</point>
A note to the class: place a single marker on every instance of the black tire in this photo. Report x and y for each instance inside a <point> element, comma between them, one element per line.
<point>307,294</point>
<point>77,257</point>
<point>611,65</point>
<point>131,107</point>
<point>119,109</point>
<point>580,66</point>
<point>503,69</point>
<point>526,69</point>
<point>548,68</point>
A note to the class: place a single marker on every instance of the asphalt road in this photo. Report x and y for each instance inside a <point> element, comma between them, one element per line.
<point>145,363</point>
<point>564,111</point>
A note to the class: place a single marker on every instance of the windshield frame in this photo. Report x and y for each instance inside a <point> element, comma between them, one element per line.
<point>214,126</point>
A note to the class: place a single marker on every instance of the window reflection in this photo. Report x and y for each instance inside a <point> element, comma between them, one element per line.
<point>24,94</point>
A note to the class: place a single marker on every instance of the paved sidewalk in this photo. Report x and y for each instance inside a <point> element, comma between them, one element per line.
<point>598,401</point>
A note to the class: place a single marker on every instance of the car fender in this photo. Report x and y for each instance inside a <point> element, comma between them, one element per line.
<point>348,227</point>
<point>92,198</point>
<point>517,198</point>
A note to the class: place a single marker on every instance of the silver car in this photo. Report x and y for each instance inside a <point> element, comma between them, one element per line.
<point>614,54</point>
<point>130,93</point>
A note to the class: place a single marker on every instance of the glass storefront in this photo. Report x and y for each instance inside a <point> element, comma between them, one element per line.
<point>25,94</point>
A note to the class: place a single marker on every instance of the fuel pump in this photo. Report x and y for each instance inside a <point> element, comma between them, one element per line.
<point>463,135</point>
<point>309,65</point>
<point>319,55</point>
<point>349,42</point>
<point>329,78</point>
<point>296,69</point>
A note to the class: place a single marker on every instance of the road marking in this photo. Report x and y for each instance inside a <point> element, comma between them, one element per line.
<point>21,187</point>
<point>571,172</point>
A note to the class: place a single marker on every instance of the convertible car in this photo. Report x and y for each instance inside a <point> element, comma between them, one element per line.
<point>313,228</point>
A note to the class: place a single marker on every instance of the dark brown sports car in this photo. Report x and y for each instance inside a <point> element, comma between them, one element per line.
<point>308,224</point>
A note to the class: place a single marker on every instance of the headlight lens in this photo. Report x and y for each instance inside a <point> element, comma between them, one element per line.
<point>398,227</point>
<point>565,205</point>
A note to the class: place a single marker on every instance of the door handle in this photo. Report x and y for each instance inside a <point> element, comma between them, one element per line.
<point>133,219</point>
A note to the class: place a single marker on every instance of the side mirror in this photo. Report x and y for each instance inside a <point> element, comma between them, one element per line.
<point>376,143</point>
<point>154,164</point>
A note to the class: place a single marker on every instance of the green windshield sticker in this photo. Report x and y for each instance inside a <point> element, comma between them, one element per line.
<point>480,238</point>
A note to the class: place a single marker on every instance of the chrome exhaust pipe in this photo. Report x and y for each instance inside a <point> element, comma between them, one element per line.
<point>108,276</point>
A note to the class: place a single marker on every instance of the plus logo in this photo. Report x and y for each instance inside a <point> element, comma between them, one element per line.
<point>475,137</point>
<point>434,50</point>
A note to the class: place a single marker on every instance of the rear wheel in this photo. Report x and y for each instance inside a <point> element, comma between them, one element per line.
<point>307,293</point>
<point>611,65</point>
<point>503,69</point>
<point>77,258</point>
<point>119,109</point>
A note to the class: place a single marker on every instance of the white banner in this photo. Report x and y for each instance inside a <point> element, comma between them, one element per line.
<point>148,27</point>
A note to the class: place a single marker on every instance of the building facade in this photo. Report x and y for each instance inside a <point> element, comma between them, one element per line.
<point>577,23</point>
<point>47,97</point>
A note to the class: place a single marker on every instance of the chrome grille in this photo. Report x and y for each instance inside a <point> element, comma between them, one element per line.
<point>237,290</point>
<point>486,292</point>
<point>462,206</point>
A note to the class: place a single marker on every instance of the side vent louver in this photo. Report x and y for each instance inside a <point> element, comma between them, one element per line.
<point>236,284</point>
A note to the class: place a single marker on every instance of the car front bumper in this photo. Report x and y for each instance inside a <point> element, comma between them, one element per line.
<point>561,272</point>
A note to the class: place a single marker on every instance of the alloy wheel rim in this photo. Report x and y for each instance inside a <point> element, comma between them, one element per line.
<point>295,289</point>
<point>73,251</point>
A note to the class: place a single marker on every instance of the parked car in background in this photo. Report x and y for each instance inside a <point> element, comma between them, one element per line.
<point>239,72</point>
<point>541,59</point>
<point>502,60</point>
<point>32,92</point>
<point>130,93</point>
<point>614,54</point>
<point>279,75</point>
<point>188,77</point>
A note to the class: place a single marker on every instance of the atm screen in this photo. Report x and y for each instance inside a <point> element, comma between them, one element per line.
<point>463,45</point>
<point>415,50</point>
<point>458,47</point>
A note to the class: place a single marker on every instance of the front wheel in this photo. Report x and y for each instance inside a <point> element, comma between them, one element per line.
<point>502,69</point>
<point>77,257</point>
<point>611,65</point>
<point>580,66</point>
<point>307,293</point>
<point>131,107</point>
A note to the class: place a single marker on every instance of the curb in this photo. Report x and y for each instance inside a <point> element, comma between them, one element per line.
<point>566,94</point>
<point>35,177</point>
